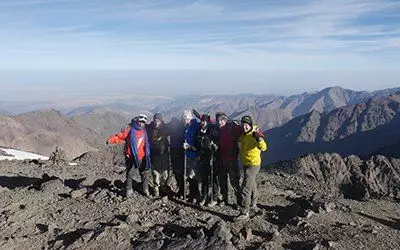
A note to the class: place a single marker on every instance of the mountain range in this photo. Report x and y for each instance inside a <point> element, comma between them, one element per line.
<point>359,129</point>
<point>332,120</point>
<point>41,131</point>
<point>269,111</point>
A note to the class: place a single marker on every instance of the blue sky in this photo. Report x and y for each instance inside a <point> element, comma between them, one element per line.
<point>268,36</point>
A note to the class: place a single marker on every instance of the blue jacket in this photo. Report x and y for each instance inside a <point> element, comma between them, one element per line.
<point>190,137</point>
<point>135,128</point>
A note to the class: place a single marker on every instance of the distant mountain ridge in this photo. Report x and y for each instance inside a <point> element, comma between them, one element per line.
<point>271,111</point>
<point>41,131</point>
<point>359,129</point>
<point>86,128</point>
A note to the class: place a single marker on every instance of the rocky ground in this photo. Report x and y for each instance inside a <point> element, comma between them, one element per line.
<point>60,206</point>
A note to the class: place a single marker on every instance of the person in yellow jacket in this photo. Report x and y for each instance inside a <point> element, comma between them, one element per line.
<point>251,145</point>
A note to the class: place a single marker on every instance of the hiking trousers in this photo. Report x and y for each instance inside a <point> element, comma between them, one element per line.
<point>194,176</point>
<point>177,162</point>
<point>205,171</point>
<point>144,174</point>
<point>249,187</point>
<point>230,169</point>
<point>159,171</point>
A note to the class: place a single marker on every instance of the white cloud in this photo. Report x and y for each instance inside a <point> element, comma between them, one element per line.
<point>203,34</point>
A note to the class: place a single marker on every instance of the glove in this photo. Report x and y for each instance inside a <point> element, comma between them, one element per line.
<point>186,146</point>
<point>256,136</point>
<point>213,147</point>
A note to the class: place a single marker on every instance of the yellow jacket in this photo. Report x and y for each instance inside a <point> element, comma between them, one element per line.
<point>250,149</point>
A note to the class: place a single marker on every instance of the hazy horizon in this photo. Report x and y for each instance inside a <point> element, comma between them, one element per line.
<point>51,85</point>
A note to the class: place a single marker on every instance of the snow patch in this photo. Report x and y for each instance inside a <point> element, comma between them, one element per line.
<point>21,155</point>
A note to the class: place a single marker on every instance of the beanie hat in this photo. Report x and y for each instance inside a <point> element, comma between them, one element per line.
<point>221,115</point>
<point>205,117</point>
<point>187,115</point>
<point>158,116</point>
<point>247,119</point>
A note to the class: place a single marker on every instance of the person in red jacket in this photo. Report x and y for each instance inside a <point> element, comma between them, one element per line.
<point>137,152</point>
<point>229,133</point>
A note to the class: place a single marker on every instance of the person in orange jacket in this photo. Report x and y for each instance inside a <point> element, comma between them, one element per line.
<point>137,152</point>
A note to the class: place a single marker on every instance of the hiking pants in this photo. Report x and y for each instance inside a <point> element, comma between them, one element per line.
<point>205,171</point>
<point>177,162</point>
<point>160,171</point>
<point>194,176</point>
<point>230,169</point>
<point>144,174</point>
<point>249,188</point>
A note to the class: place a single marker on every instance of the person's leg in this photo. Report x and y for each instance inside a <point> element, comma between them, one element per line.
<point>129,177</point>
<point>177,161</point>
<point>156,181</point>
<point>216,185</point>
<point>144,173</point>
<point>234,179</point>
<point>164,174</point>
<point>223,181</point>
<point>194,177</point>
<point>255,194</point>
<point>249,182</point>
<point>204,181</point>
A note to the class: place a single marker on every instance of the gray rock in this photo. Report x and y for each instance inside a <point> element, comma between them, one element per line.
<point>164,199</point>
<point>329,206</point>
<point>221,231</point>
<point>309,214</point>
<point>55,186</point>
<point>181,212</point>
<point>75,194</point>
<point>248,234</point>
<point>132,218</point>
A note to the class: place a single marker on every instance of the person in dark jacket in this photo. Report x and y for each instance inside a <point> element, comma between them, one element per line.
<point>175,129</point>
<point>137,152</point>
<point>207,149</point>
<point>229,133</point>
<point>159,151</point>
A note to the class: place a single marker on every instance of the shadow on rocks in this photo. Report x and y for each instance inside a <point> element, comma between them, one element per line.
<point>69,238</point>
<point>393,223</point>
<point>194,206</point>
<point>12,182</point>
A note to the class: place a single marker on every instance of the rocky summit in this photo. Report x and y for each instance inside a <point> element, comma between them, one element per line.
<point>320,201</point>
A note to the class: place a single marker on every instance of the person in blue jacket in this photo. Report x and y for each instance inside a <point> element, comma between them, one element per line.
<point>192,155</point>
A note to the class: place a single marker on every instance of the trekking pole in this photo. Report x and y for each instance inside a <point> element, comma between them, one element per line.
<point>184,174</point>
<point>212,176</point>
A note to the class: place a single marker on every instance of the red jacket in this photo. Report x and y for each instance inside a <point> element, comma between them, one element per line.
<point>228,141</point>
<point>123,137</point>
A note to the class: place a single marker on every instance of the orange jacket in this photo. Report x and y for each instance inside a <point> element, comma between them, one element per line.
<point>121,137</point>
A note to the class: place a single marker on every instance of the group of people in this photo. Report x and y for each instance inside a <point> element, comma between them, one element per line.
<point>201,150</point>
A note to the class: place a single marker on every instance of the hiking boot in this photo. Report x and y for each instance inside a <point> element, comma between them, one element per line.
<point>212,203</point>
<point>146,192</point>
<point>156,192</point>
<point>202,202</point>
<point>129,193</point>
<point>242,217</point>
